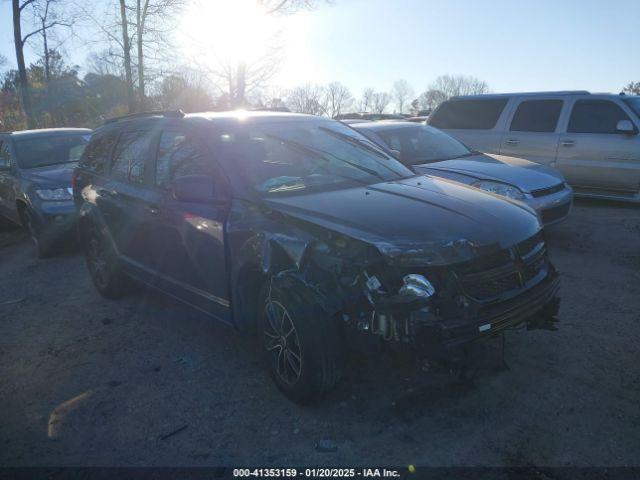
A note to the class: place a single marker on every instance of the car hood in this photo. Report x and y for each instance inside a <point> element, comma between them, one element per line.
<point>524,174</point>
<point>419,220</point>
<point>53,176</point>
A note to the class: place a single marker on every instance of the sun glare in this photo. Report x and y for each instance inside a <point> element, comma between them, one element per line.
<point>223,31</point>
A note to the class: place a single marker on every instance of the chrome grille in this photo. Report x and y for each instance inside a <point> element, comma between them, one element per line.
<point>541,192</point>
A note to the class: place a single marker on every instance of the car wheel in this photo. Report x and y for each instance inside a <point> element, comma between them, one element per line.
<point>301,346</point>
<point>103,266</point>
<point>42,247</point>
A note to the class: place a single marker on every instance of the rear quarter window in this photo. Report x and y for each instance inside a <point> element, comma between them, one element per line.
<point>476,114</point>
<point>97,155</point>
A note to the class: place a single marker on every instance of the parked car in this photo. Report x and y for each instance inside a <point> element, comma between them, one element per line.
<point>592,139</point>
<point>35,181</point>
<point>430,151</point>
<point>301,229</point>
<point>370,116</point>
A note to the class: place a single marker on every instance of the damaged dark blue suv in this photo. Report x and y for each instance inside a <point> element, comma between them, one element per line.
<point>301,229</point>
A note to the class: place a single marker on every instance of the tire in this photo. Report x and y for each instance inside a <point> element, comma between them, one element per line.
<point>103,266</point>
<point>42,247</point>
<point>302,346</point>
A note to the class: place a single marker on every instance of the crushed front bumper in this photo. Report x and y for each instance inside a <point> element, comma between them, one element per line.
<point>536,308</point>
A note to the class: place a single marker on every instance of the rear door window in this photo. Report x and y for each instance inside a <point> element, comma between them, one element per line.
<point>131,155</point>
<point>181,154</point>
<point>473,114</point>
<point>595,116</point>
<point>97,155</point>
<point>537,116</point>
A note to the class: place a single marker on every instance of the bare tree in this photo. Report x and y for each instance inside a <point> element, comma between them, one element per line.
<point>431,99</point>
<point>126,50</point>
<point>307,99</point>
<point>153,24</point>
<point>401,93</point>
<point>285,7</point>
<point>632,89</point>
<point>366,101</point>
<point>105,62</point>
<point>240,80</point>
<point>381,101</point>
<point>51,16</point>
<point>454,85</point>
<point>338,98</point>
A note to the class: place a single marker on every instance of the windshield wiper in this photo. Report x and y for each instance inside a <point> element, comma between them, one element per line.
<point>319,153</point>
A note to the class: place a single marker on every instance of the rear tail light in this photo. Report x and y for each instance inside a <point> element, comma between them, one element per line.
<point>73,181</point>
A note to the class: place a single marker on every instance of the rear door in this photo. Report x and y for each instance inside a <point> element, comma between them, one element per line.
<point>592,153</point>
<point>127,200</point>
<point>532,131</point>
<point>476,122</point>
<point>188,238</point>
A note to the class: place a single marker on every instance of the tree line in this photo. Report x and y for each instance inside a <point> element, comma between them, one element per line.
<point>131,66</point>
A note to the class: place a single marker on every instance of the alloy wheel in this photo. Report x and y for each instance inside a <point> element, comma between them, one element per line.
<point>31,229</point>
<point>282,342</point>
<point>97,261</point>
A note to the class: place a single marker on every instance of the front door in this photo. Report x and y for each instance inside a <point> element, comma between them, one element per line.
<point>188,239</point>
<point>593,154</point>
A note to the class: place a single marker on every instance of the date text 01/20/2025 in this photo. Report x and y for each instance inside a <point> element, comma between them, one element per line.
<point>317,472</point>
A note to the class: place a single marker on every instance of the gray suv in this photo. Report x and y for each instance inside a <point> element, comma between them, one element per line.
<point>592,139</point>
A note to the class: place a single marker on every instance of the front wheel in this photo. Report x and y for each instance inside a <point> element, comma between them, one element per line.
<point>302,345</point>
<point>42,246</point>
<point>103,265</point>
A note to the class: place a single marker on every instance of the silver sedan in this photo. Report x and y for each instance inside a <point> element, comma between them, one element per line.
<point>430,151</point>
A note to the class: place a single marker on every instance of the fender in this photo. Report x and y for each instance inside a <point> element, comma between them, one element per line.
<point>89,214</point>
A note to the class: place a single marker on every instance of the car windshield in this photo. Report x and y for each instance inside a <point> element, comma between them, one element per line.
<point>42,151</point>
<point>634,104</point>
<point>423,144</point>
<point>298,156</point>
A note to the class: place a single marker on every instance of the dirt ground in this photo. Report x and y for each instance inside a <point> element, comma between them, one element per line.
<point>145,381</point>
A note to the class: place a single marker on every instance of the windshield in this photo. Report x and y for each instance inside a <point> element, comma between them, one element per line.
<point>423,144</point>
<point>634,104</point>
<point>297,156</point>
<point>42,151</point>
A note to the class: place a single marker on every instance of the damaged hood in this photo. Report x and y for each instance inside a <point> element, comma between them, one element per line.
<point>527,176</point>
<point>423,219</point>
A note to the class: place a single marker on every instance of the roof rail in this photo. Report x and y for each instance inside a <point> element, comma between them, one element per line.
<point>151,113</point>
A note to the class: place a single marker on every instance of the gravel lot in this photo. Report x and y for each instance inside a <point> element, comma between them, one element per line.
<point>145,381</point>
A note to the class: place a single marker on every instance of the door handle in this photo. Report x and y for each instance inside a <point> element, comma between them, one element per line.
<point>568,143</point>
<point>152,209</point>
<point>512,141</point>
<point>107,193</point>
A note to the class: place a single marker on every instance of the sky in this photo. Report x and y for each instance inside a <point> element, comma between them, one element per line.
<point>512,45</point>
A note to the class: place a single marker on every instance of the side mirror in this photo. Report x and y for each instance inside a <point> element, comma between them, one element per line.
<point>396,153</point>
<point>194,188</point>
<point>626,127</point>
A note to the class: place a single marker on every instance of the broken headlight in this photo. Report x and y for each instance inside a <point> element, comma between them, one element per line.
<point>417,286</point>
<point>498,188</point>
